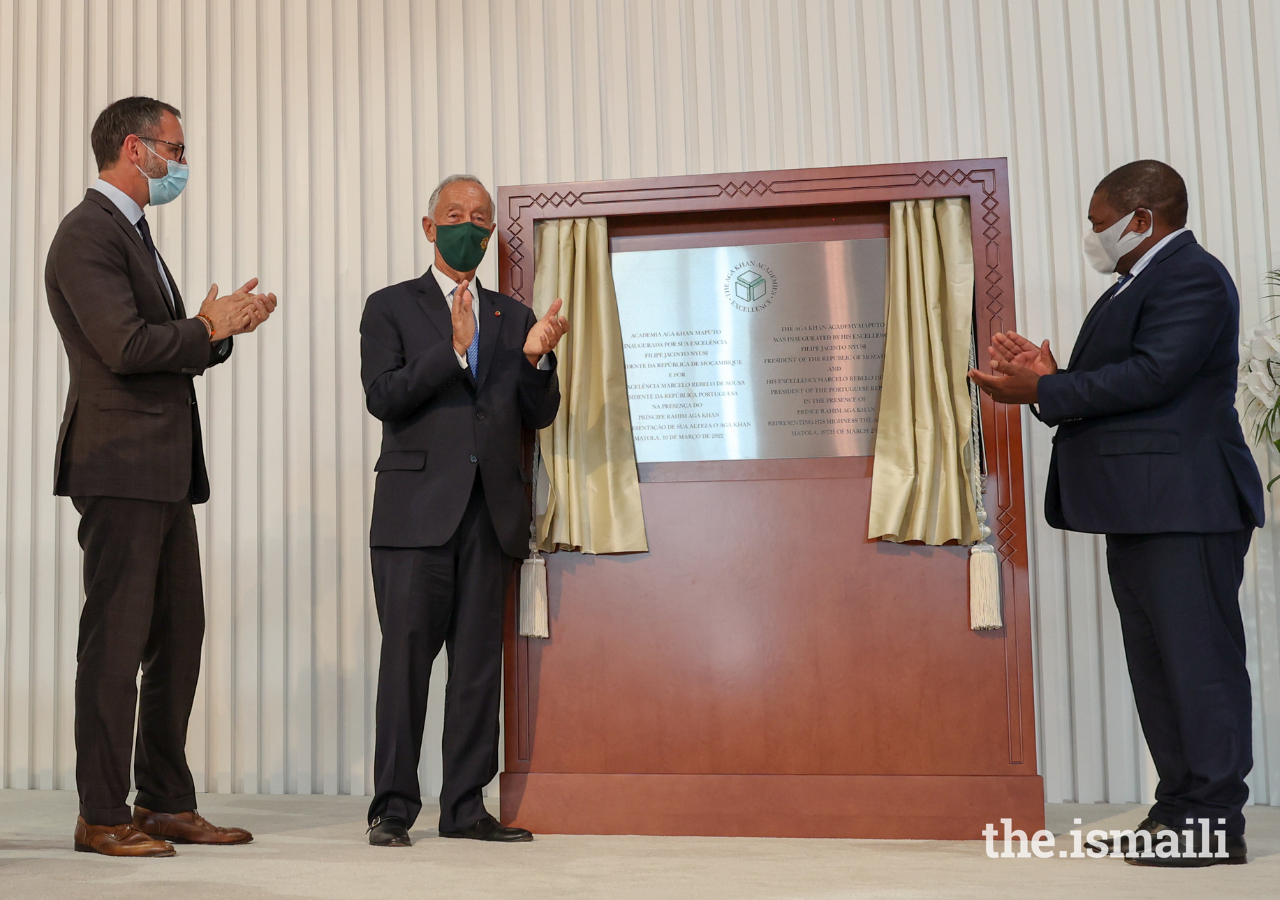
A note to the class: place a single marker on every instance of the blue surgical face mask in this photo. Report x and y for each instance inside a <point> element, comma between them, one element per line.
<point>166,188</point>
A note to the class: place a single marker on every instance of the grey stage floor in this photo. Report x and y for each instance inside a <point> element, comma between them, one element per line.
<point>314,847</point>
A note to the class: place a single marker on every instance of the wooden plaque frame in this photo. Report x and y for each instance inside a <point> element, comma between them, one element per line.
<point>589,781</point>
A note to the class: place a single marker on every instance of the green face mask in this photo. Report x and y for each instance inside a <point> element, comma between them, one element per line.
<point>462,245</point>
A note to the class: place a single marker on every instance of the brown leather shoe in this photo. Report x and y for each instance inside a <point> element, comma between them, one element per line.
<point>186,828</point>
<point>118,840</point>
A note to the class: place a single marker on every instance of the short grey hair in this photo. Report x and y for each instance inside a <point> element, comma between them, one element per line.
<point>454,179</point>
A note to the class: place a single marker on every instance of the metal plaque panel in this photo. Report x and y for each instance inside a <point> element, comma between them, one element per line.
<point>772,351</point>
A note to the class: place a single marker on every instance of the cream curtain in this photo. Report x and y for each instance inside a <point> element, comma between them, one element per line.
<point>921,486</point>
<point>589,490</point>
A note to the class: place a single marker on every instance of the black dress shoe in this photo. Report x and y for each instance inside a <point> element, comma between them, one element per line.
<point>489,829</point>
<point>1237,851</point>
<point>389,831</point>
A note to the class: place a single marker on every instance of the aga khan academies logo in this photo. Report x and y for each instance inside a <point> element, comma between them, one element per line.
<point>750,286</point>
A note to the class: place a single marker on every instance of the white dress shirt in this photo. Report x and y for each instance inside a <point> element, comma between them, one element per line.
<point>133,212</point>
<point>447,287</point>
<point>1146,260</point>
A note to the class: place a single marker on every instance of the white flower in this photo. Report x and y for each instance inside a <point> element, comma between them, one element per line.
<point>1263,348</point>
<point>1261,385</point>
<point>1263,345</point>
<point>1258,376</point>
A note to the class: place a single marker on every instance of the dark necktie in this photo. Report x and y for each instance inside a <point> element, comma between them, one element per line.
<point>145,230</point>
<point>1115,288</point>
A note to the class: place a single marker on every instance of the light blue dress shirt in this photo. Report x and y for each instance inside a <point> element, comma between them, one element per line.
<point>133,212</point>
<point>1146,260</point>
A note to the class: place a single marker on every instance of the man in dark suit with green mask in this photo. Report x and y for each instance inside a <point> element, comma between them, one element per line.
<point>454,376</point>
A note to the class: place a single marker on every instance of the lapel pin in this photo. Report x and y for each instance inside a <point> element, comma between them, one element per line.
<point>497,312</point>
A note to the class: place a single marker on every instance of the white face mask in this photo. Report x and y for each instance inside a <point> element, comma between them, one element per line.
<point>1103,249</point>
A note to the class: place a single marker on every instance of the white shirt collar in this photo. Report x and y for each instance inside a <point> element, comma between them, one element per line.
<point>132,211</point>
<point>447,286</point>
<point>1150,254</point>
<point>446,283</point>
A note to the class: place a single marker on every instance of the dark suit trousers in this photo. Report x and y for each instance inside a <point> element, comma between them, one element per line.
<point>1184,641</point>
<point>144,607</point>
<point>428,597</point>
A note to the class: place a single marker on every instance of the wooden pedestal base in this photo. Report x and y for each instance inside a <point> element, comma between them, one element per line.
<point>932,807</point>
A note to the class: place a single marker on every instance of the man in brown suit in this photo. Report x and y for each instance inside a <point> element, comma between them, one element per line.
<point>129,455</point>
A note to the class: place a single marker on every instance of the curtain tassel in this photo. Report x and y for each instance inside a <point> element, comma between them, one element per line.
<point>534,617</point>
<point>984,562</point>
<point>984,581</point>
<point>533,597</point>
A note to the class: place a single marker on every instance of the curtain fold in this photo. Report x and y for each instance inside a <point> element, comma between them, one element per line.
<point>588,487</point>
<point>921,486</point>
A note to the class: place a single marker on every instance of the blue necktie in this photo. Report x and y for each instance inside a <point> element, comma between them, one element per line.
<point>473,352</point>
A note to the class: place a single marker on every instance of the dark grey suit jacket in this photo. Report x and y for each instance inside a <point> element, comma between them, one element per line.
<point>131,427</point>
<point>438,426</point>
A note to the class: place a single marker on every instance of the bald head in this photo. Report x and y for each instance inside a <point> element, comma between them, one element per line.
<point>1147,184</point>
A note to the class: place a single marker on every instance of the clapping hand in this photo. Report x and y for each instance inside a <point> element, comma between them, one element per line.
<point>544,336</point>
<point>1019,365</point>
<point>1013,347</point>
<point>256,311</point>
<point>464,321</point>
<point>236,313</point>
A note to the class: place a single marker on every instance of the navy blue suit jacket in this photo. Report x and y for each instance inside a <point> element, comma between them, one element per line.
<point>1148,437</point>
<point>438,425</point>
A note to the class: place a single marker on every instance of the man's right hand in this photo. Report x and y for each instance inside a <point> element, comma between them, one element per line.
<point>1011,347</point>
<point>464,321</point>
<point>236,313</point>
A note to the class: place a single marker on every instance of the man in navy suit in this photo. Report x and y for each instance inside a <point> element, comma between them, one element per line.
<point>454,381</point>
<point>1149,451</point>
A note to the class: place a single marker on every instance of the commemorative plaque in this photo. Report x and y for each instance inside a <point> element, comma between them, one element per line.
<point>771,351</point>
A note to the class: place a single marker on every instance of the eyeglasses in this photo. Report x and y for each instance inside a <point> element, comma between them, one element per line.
<point>181,148</point>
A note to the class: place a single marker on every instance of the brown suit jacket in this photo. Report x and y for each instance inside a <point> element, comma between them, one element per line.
<point>131,427</point>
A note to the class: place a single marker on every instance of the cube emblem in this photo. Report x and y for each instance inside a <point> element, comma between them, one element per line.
<point>749,287</point>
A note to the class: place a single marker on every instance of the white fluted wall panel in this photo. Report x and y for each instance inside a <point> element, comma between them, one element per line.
<point>317,131</point>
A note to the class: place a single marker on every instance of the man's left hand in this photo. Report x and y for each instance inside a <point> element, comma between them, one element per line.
<point>257,310</point>
<point>1012,382</point>
<point>544,336</point>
